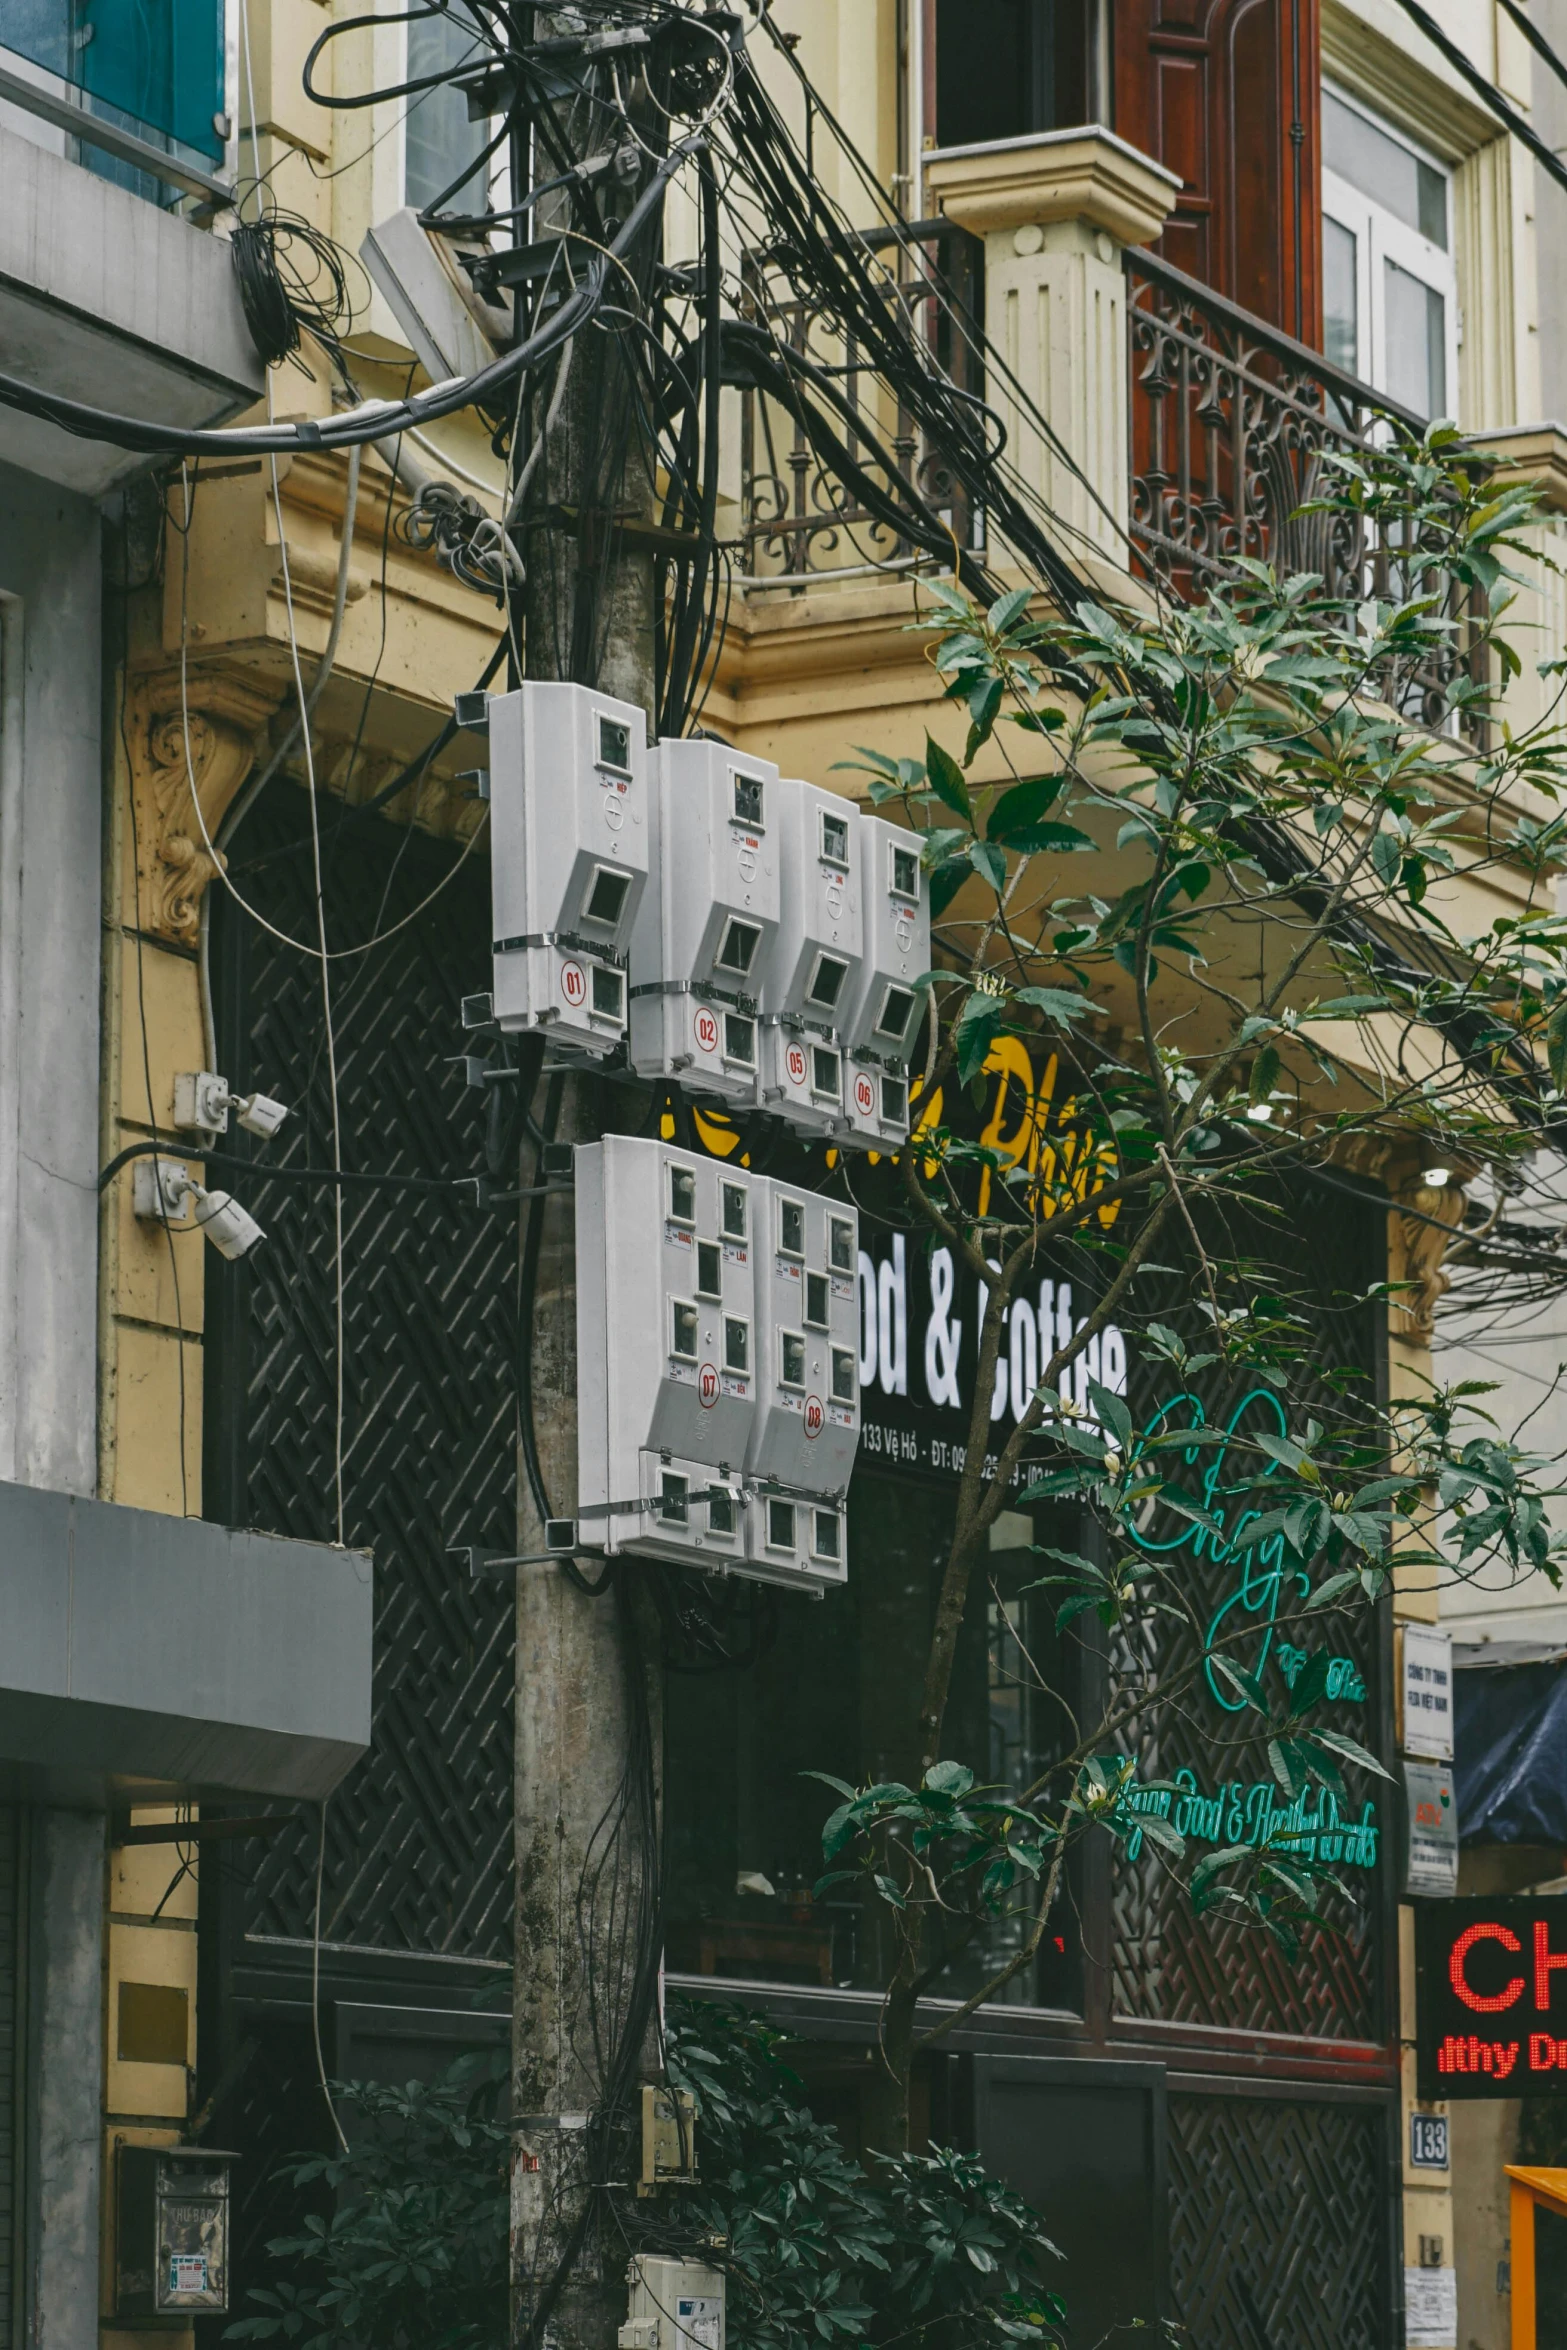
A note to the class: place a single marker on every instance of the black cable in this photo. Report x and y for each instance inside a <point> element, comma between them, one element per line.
<point>462,1190</point>
<point>1487,92</point>
<point>1536,39</point>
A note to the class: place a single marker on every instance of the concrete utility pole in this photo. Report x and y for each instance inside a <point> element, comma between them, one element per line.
<point>588,617</point>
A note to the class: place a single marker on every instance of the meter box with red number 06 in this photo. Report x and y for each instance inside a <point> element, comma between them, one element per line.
<point>570,827</point>
<point>666,1348</point>
<point>708,920</point>
<point>880,1024</point>
<point>813,971</point>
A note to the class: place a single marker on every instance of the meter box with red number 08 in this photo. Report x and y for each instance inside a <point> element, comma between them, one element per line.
<point>813,971</point>
<point>708,920</point>
<point>881,1023</point>
<point>569,820</point>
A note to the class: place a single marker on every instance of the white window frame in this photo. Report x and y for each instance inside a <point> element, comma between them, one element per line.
<point>1380,236</point>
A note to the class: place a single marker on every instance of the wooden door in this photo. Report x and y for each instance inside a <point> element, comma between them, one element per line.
<point>1227,93</point>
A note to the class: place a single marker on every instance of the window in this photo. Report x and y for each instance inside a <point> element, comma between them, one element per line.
<point>893,1021</point>
<point>438,138</point>
<point>737,1345</point>
<point>905,882</point>
<point>740,1040</point>
<point>1008,67</point>
<point>709,1269</point>
<point>835,839</point>
<point>780,1525</point>
<point>791,1228</point>
<point>840,1244</point>
<point>674,1500</point>
<point>737,948</point>
<point>606,896</point>
<point>843,1374</point>
<point>826,1074</point>
<point>720,1510</point>
<point>682,1332</point>
<point>1389,287</point>
<point>827,982</point>
<point>734,1211</point>
<point>791,1358</point>
<point>826,1540</point>
<point>895,1101</point>
<point>816,1300</point>
<point>609,993</point>
<point>748,798</point>
<point>682,1195</point>
<point>615,746</point>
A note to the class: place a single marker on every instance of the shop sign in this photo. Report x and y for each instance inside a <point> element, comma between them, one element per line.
<point>1491,1997</point>
<point>1426,1692</point>
<point>1254,1812</point>
<point>1431,1860</point>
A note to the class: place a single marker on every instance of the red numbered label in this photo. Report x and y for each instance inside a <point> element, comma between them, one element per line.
<point>794,1064</point>
<point>815,1417</point>
<point>864,1096</point>
<point>707,1386</point>
<point>574,985</point>
<point>705,1029</point>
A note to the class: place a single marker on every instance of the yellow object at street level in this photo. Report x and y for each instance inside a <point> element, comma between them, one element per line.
<point>1531,2190</point>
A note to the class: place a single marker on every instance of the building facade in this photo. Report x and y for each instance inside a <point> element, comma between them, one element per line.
<point>1304,210</point>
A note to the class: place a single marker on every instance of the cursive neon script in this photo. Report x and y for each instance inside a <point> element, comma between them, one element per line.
<point>1252,1812</point>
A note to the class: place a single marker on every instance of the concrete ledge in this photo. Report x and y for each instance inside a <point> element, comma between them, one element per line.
<point>1534,454</point>
<point>109,299</point>
<point>143,1656</point>
<point>1086,174</point>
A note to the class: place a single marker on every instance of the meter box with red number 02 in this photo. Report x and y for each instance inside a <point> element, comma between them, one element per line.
<point>807,1427</point>
<point>881,1022</point>
<point>569,860</point>
<point>813,972</point>
<point>666,1349</point>
<point>708,919</point>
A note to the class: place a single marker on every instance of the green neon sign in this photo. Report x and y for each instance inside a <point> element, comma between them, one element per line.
<point>1253,1812</point>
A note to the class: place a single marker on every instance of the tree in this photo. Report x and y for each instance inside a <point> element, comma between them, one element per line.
<point>1278,977</point>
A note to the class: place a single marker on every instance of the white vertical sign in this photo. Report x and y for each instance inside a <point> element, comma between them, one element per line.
<point>1427,1691</point>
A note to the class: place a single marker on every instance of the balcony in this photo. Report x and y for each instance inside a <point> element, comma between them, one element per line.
<point>110,112</point>
<point>1170,434</point>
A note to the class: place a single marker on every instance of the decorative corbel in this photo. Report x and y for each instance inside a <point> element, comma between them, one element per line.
<point>201,742</point>
<point>1426,1220</point>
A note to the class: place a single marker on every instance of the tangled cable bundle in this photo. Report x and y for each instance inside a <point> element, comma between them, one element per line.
<point>292,279</point>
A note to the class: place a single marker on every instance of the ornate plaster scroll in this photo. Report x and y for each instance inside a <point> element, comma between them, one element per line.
<point>1427,1221</point>
<point>204,743</point>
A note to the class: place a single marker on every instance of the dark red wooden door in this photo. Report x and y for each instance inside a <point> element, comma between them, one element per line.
<point>1226,92</point>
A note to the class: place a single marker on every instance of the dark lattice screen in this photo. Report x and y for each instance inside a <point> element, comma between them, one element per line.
<point>418,1853</point>
<point>1315,1257</point>
<point>1278,2223</point>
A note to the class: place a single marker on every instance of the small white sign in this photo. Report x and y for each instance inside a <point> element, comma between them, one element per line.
<point>1432,1867</point>
<point>1428,1692</point>
<point>701,2321</point>
<point>1430,2308</point>
<point>188,2272</point>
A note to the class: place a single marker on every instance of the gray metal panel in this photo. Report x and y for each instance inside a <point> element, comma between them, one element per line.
<point>109,299</point>
<point>140,1652</point>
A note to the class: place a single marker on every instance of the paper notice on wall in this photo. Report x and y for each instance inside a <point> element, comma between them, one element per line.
<point>701,2320</point>
<point>1430,2308</point>
<point>1431,1866</point>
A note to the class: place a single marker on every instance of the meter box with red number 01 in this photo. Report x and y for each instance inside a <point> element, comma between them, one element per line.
<point>708,920</point>
<point>569,821</point>
<point>813,972</point>
<point>881,1023</point>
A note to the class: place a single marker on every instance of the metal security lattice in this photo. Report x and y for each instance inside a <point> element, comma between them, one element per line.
<point>419,1837</point>
<point>1317,1258</point>
<point>1276,2223</point>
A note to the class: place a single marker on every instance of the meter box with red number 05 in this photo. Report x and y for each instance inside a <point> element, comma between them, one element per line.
<point>807,1426</point>
<point>813,971</point>
<point>880,1025</point>
<point>708,920</point>
<point>569,819</point>
<point>666,1347</point>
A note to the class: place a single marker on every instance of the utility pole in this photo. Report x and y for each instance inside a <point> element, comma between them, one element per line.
<point>588,1728</point>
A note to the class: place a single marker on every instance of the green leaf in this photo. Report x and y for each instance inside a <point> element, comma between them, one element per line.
<point>949,1778</point>
<point>1339,1742</point>
<point>1006,608</point>
<point>1032,840</point>
<point>1024,804</point>
<point>946,779</point>
<point>990,863</point>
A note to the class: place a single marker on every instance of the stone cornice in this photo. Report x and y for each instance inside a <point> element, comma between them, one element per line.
<point>1086,174</point>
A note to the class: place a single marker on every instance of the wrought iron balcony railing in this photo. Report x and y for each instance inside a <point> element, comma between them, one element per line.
<point>1231,426</point>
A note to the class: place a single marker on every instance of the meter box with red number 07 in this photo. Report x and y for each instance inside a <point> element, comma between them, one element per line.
<point>881,1022</point>
<point>666,1347</point>
<point>708,919</point>
<point>813,971</point>
<point>569,861</point>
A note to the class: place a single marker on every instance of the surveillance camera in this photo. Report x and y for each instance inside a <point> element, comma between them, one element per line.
<point>232,1232</point>
<point>259,1114</point>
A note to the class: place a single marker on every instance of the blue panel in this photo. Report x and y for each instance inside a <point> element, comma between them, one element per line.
<point>39,29</point>
<point>1510,1754</point>
<point>156,63</point>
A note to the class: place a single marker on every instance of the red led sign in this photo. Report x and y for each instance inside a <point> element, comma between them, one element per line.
<point>1491,1997</point>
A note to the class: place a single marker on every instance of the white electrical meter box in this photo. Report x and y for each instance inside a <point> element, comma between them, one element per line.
<point>569,859</point>
<point>813,972</point>
<point>806,1427</point>
<point>675,2305</point>
<point>708,919</point>
<point>666,1348</point>
<point>880,1025</point>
